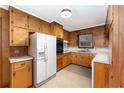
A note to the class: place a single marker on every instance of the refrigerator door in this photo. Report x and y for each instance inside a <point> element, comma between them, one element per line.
<point>50,52</point>
<point>39,71</point>
<point>36,48</point>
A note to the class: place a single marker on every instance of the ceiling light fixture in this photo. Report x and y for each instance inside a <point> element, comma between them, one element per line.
<point>66,13</point>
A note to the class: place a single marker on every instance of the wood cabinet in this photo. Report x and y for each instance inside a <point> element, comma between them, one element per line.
<point>63,60</point>
<point>18,27</point>
<point>73,57</point>
<point>66,59</point>
<point>82,59</point>
<point>101,75</point>
<point>59,61</point>
<point>73,39</point>
<point>21,74</point>
<point>57,29</point>
<point>18,18</point>
<point>66,35</point>
<point>46,28</point>
<point>19,36</point>
<point>34,24</point>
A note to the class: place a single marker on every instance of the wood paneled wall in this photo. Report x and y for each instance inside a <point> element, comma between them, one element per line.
<point>0,52</point>
<point>5,47</point>
<point>99,38</point>
<point>18,51</point>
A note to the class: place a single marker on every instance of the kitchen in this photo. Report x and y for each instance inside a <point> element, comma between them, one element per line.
<point>45,54</point>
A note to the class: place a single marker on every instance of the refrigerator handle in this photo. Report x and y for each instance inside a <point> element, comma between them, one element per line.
<point>46,57</point>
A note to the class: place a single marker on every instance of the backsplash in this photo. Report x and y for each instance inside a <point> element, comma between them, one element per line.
<point>18,51</point>
<point>95,49</point>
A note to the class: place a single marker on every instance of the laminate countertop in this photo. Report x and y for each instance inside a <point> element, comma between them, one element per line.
<point>102,58</point>
<point>19,59</point>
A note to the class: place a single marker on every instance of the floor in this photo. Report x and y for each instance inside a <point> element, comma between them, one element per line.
<point>72,76</point>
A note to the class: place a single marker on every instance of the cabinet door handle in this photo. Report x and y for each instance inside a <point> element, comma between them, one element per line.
<point>14,74</point>
<point>23,64</point>
<point>29,69</point>
<point>25,42</point>
<point>25,25</point>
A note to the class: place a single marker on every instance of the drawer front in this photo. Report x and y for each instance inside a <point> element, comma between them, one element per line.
<point>20,64</point>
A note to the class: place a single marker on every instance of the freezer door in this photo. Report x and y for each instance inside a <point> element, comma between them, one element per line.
<point>50,52</point>
<point>39,71</point>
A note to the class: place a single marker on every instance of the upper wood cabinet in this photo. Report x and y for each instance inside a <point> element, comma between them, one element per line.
<point>66,35</point>
<point>34,24</point>
<point>57,29</point>
<point>46,28</point>
<point>18,27</point>
<point>19,37</point>
<point>18,18</point>
<point>73,39</point>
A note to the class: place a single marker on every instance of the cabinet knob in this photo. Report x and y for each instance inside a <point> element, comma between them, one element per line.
<point>25,25</point>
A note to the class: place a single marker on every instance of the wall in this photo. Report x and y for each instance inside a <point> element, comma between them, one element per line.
<point>99,38</point>
<point>18,51</point>
<point>0,51</point>
<point>4,47</point>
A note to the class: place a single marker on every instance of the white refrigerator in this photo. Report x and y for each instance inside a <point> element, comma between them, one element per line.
<point>43,49</point>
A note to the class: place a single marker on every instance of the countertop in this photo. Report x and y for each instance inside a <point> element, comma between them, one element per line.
<point>101,58</point>
<point>18,59</point>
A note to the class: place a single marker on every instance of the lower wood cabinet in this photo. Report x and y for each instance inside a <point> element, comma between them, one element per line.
<point>66,59</point>
<point>101,75</point>
<point>63,60</point>
<point>83,59</point>
<point>59,61</point>
<point>21,74</point>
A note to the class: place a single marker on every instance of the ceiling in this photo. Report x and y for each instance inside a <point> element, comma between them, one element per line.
<point>84,16</point>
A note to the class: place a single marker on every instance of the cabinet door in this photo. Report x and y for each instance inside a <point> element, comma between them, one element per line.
<point>74,58</point>
<point>20,77</point>
<point>59,62</point>
<point>34,24</point>
<point>46,28</point>
<point>84,60</point>
<point>18,18</point>
<point>29,73</point>
<point>18,37</point>
<point>58,30</point>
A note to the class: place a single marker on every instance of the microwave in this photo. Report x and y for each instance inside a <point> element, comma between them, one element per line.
<point>59,45</point>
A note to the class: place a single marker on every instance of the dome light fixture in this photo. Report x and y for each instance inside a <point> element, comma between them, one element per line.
<point>66,13</point>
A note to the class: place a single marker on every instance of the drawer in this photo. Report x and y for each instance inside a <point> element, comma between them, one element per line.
<point>20,64</point>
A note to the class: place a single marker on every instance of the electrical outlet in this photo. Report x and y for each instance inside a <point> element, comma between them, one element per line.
<point>16,51</point>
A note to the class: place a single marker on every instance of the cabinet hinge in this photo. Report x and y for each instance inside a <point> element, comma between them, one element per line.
<point>11,22</point>
<point>13,74</point>
<point>12,10</point>
<point>12,41</point>
<point>11,30</point>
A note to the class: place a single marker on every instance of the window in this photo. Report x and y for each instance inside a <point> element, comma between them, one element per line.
<point>85,41</point>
